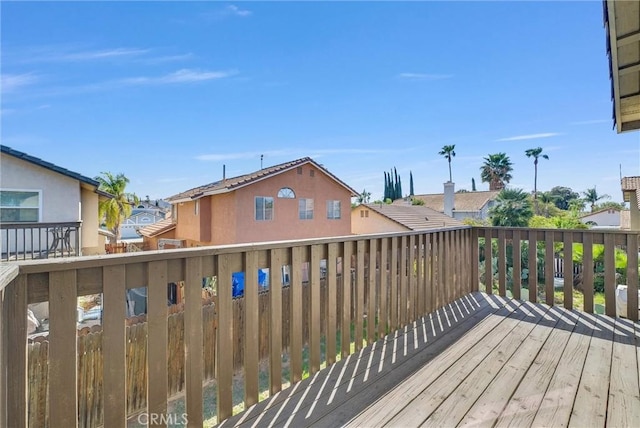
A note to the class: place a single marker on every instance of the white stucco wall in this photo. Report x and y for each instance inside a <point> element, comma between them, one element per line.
<point>60,194</point>
<point>90,223</point>
<point>609,218</point>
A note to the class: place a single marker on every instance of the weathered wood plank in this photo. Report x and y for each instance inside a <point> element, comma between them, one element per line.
<point>549,267</point>
<point>251,329</point>
<point>224,338</point>
<point>488,265</point>
<point>556,406</point>
<point>63,303</point>
<point>623,409</point>
<point>157,341</point>
<point>114,340</point>
<point>441,270</point>
<point>533,267</point>
<point>315,316</point>
<point>359,303</point>
<point>371,309</point>
<point>332,302</point>
<point>402,284</point>
<point>590,405</point>
<point>587,272</point>
<point>609,275</point>
<point>383,321</point>
<point>393,302</point>
<point>475,260</point>
<point>411,273</point>
<point>14,313</point>
<point>275,321</point>
<point>502,263</point>
<point>517,264</point>
<point>345,329</point>
<point>295,306</point>
<point>632,277</point>
<point>568,270</point>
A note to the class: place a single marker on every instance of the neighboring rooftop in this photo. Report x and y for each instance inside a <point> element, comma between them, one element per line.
<point>233,183</point>
<point>415,217</point>
<point>463,201</point>
<point>157,228</point>
<point>622,24</point>
<point>631,185</point>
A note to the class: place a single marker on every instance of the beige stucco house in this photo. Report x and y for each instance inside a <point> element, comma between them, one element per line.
<point>38,193</point>
<point>631,194</point>
<point>293,200</point>
<point>381,218</point>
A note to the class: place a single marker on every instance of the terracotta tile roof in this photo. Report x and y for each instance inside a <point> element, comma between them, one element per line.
<point>415,217</point>
<point>465,201</point>
<point>630,184</point>
<point>233,183</point>
<point>157,228</point>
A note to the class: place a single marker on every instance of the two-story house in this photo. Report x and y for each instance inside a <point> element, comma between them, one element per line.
<point>293,200</point>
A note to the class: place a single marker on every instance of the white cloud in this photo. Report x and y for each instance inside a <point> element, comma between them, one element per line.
<point>236,11</point>
<point>12,82</point>
<point>184,75</point>
<point>167,58</point>
<point>99,54</point>
<point>529,136</point>
<point>423,76</point>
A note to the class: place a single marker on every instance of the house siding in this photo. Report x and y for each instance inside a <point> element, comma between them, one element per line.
<point>374,223</point>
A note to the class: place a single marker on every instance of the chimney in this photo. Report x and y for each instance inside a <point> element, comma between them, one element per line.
<point>449,195</point>
<point>224,172</point>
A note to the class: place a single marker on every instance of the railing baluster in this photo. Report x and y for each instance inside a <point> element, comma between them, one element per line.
<point>332,301</point>
<point>587,271</point>
<point>442,273</point>
<point>502,262</point>
<point>517,264</point>
<point>359,303</point>
<point>251,329</point>
<point>394,284</point>
<point>63,405</point>
<point>402,285</point>
<point>224,336</point>
<point>383,321</point>
<point>488,262</point>
<point>609,274</point>
<point>113,345</point>
<point>157,340</point>
<point>14,311</point>
<point>420,280</point>
<point>568,270</point>
<point>315,316</point>
<point>345,328</point>
<point>411,273</point>
<point>533,266</point>
<point>194,364</point>
<point>632,276</point>
<point>549,266</point>
<point>275,323</point>
<point>295,306</point>
<point>475,260</point>
<point>371,310</point>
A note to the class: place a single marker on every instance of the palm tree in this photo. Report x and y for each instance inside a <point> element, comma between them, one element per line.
<point>513,209</point>
<point>535,154</point>
<point>448,152</point>
<point>364,197</point>
<point>116,209</point>
<point>591,197</point>
<point>496,171</point>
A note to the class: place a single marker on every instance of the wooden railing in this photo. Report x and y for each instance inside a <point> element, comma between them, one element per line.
<point>393,279</point>
<point>22,241</point>
<point>606,258</point>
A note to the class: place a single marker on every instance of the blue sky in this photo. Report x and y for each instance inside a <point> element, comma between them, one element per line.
<point>168,92</point>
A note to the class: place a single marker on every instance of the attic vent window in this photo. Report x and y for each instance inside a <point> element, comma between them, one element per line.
<point>312,173</point>
<point>300,170</point>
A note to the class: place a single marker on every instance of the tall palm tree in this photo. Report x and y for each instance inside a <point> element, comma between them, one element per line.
<point>591,197</point>
<point>535,154</point>
<point>513,209</point>
<point>496,170</point>
<point>448,152</point>
<point>114,210</point>
<point>364,197</point>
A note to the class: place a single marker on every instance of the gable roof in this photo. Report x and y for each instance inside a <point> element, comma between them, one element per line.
<point>630,185</point>
<point>414,217</point>
<point>48,165</point>
<point>234,183</point>
<point>464,201</point>
<point>157,228</point>
<point>585,215</point>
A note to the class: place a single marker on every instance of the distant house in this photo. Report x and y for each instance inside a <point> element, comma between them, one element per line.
<point>607,218</point>
<point>380,218</point>
<point>293,200</point>
<point>144,214</point>
<point>461,206</point>
<point>152,234</point>
<point>631,193</point>
<point>54,207</point>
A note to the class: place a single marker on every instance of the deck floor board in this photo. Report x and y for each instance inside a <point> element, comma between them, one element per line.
<point>481,361</point>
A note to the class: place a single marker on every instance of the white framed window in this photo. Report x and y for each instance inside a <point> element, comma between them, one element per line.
<point>305,209</point>
<point>20,206</point>
<point>333,210</point>
<point>264,208</point>
<point>286,193</point>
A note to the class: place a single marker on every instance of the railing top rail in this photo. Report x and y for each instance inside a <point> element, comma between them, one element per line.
<point>586,231</point>
<point>8,271</point>
<point>38,266</point>
<point>35,225</point>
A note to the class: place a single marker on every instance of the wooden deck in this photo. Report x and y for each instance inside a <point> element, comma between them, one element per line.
<point>481,361</point>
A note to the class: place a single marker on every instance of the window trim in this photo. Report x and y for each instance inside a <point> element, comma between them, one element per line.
<point>38,191</point>
<point>306,210</point>
<point>255,208</point>
<point>285,189</point>
<point>331,205</point>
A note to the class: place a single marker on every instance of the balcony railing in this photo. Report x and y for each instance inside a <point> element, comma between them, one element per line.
<point>22,241</point>
<point>394,280</point>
